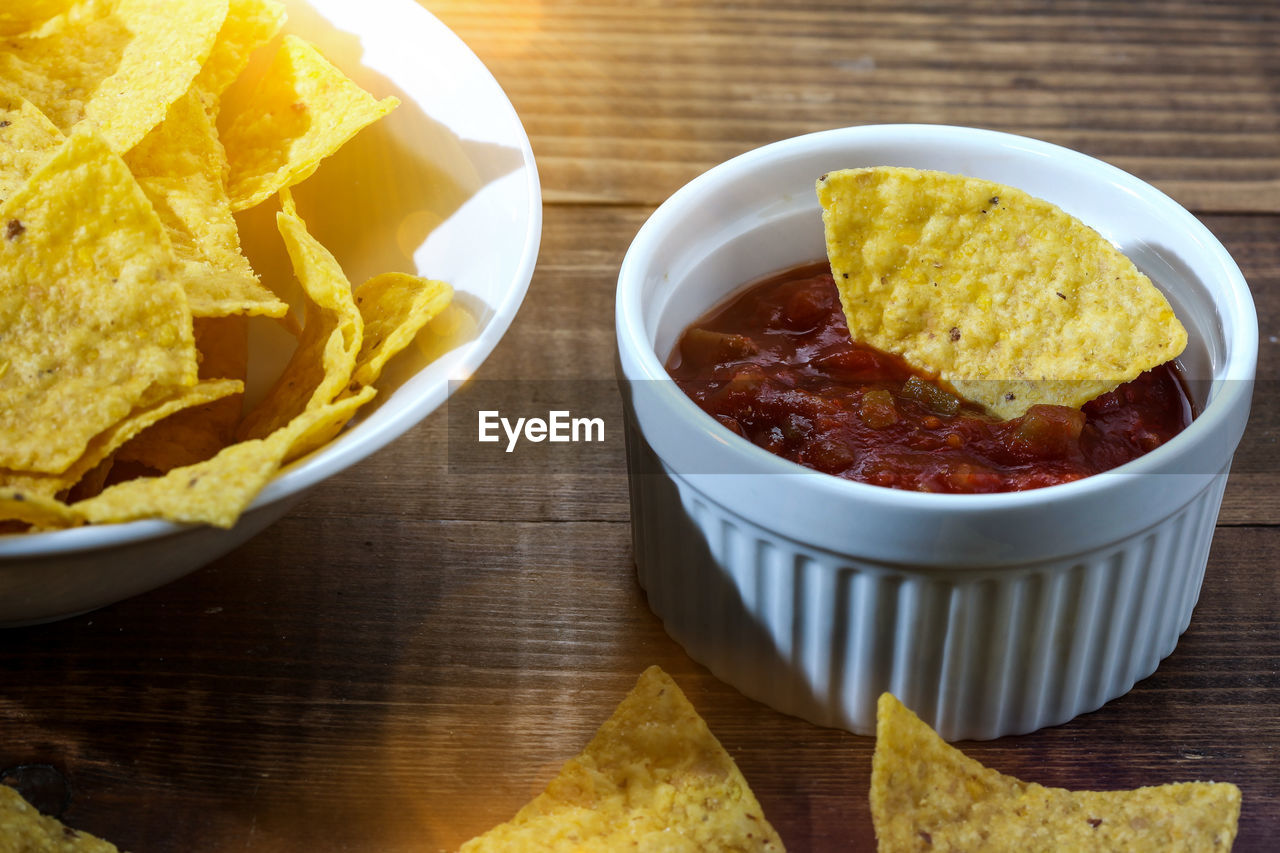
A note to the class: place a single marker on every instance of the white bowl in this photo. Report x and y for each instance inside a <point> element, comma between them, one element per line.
<point>988,614</point>
<point>446,185</point>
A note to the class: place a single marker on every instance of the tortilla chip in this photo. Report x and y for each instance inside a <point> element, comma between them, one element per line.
<point>302,110</point>
<point>180,166</point>
<point>115,436</point>
<point>1005,296</point>
<point>927,795</point>
<point>27,141</point>
<point>249,25</point>
<point>25,830</point>
<point>58,73</point>
<point>41,513</point>
<point>218,490</point>
<point>322,365</point>
<point>395,306</point>
<point>120,69</point>
<point>94,318</point>
<point>320,431</point>
<point>653,778</point>
<point>196,434</point>
<point>22,16</point>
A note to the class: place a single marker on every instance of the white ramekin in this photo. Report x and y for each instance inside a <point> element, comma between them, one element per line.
<point>987,614</point>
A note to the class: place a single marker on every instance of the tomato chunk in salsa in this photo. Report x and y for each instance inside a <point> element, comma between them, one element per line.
<point>776,366</point>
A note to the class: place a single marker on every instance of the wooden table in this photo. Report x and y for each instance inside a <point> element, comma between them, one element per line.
<point>409,656</point>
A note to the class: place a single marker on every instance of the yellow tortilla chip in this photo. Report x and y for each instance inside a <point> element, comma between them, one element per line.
<point>120,69</point>
<point>302,110</point>
<point>1003,295</point>
<point>218,490</point>
<point>249,25</point>
<point>395,306</point>
<point>27,141</point>
<point>196,434</point>
<point>38,511</point>
<point>320,431</point>
<point>179,165</point>
<point>25,830</point>
<point>927,795</point>
<point>94,319</point>
<point>322,365</point>
<point>653,778</point>
<point>59,72</point>
<point>115,436</point>
<point>21,16</point>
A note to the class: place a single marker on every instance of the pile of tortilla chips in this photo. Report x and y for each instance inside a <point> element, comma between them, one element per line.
<point>124,294</point>
<point>653,778</point>
<point>927,795</point>
<point>1004,296</point>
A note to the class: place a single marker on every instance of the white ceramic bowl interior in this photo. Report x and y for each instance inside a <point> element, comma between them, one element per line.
<point>987,614</point>
<point>446,186</point>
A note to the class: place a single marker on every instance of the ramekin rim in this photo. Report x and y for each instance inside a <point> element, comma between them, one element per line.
<point>1237,373</point>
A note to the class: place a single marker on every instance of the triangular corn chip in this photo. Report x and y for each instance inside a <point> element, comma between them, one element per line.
<point>39,511</point>
<point>395,306</point>
<point>196,434</point>
<point>180,166</point>
<point>322,365</point>
<point>249,25</point>
<point>120,68</point>
<point>1001,294</point>
<point>302,110</point>
<point>106,442</point>
<point>27,141</point>
<point>95,322</point>
<point>927,795</point>
<point>653,778</point>
<point>25,16</point>
<point>217,490</point>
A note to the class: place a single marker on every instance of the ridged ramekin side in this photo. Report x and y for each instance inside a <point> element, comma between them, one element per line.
<point>978,653</point>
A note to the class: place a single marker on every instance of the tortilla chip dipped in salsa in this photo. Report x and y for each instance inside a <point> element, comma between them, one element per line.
<point>653,778</point>
<point>927,795</point>
<point>1004,296</point>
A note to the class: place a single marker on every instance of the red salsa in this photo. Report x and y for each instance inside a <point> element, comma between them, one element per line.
<point>776,366</point>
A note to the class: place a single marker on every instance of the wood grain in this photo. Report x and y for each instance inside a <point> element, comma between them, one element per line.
<point>626,102</point>
<point>410,655</point>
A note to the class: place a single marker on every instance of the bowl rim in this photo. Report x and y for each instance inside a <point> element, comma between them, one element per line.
<point>1224,400</point>
<point>328,460</point>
